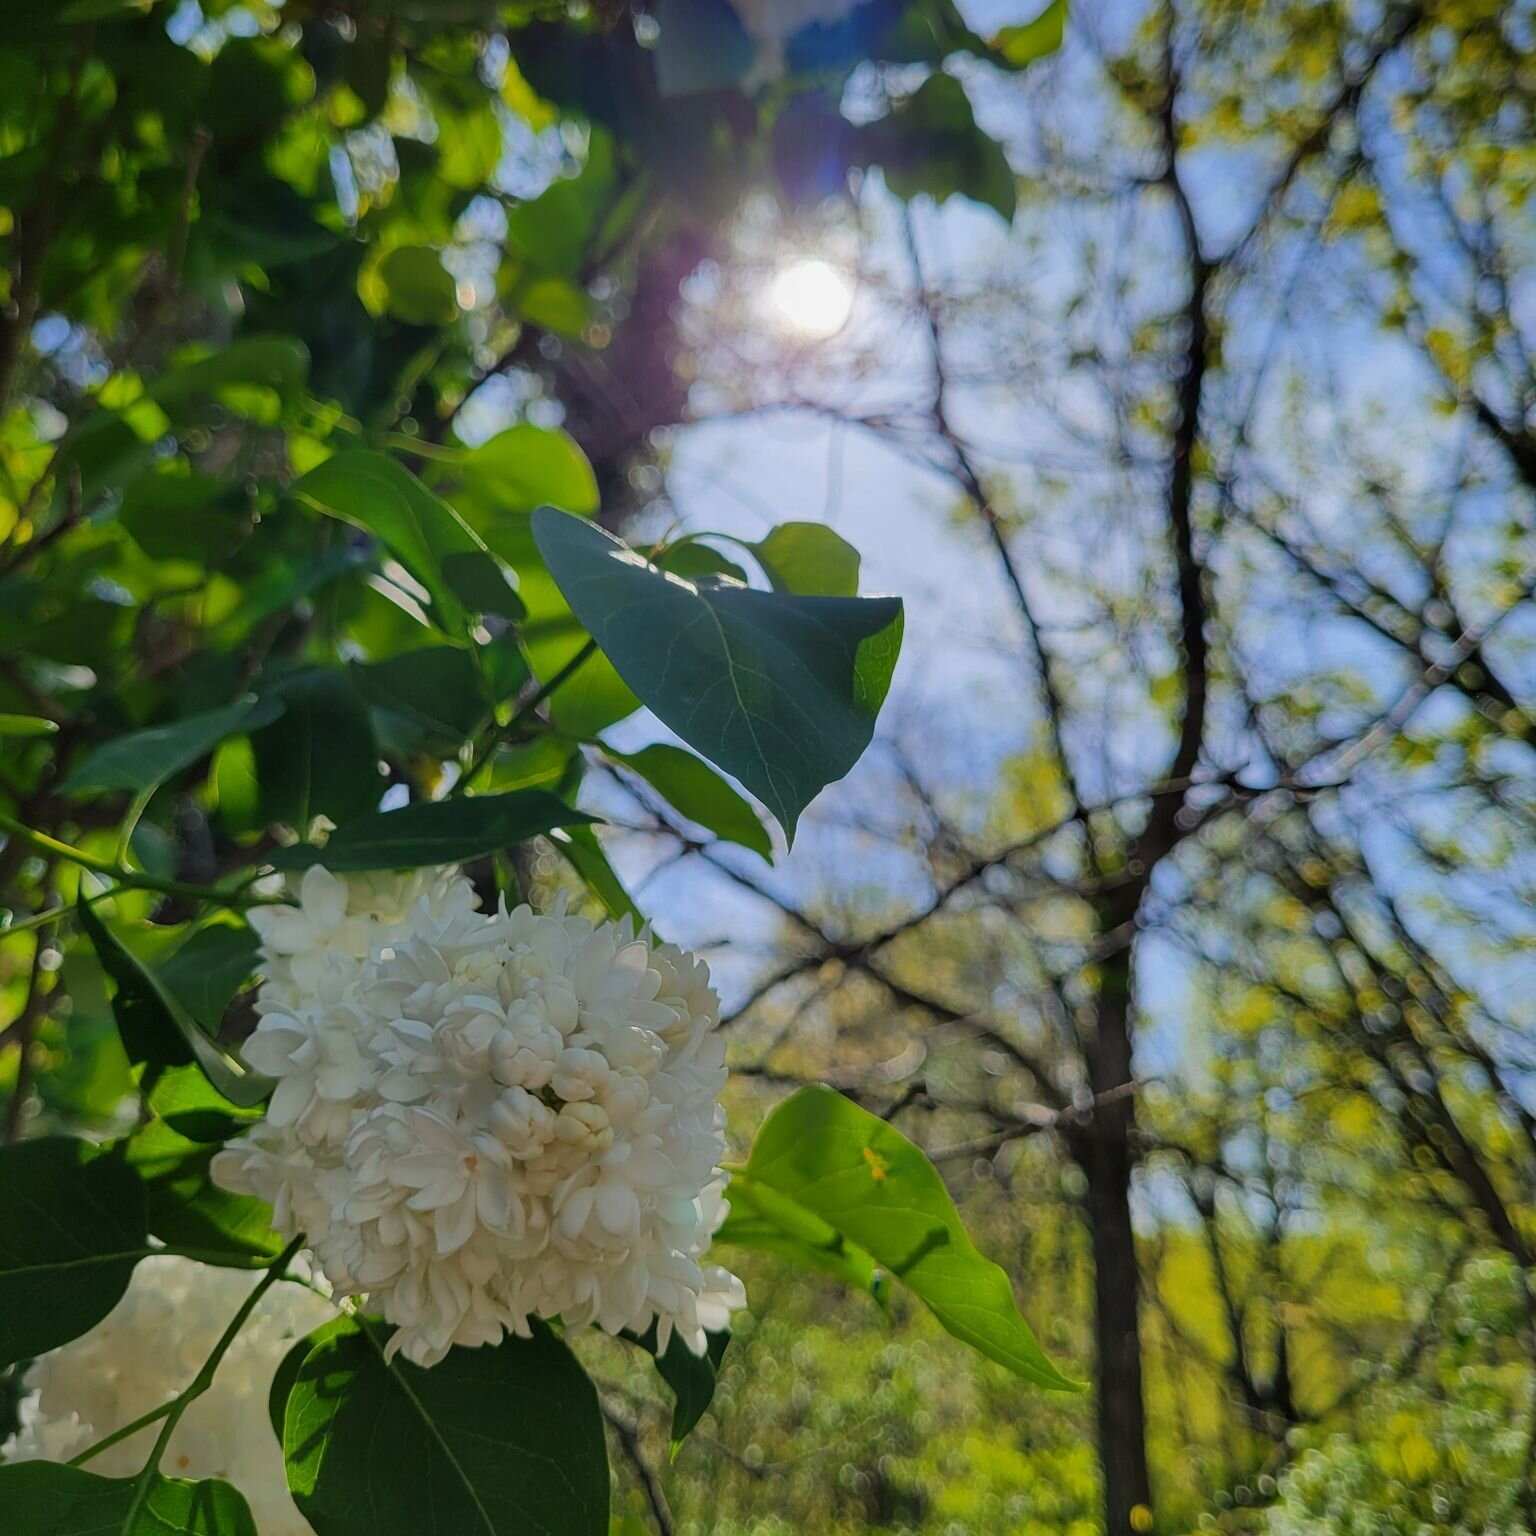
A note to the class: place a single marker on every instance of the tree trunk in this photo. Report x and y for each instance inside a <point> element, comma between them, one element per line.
<point>1104,1153</point>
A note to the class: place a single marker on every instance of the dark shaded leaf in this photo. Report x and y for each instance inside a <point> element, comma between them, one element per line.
<point>186,1209</point>
<point>695,789</point>
<point>703,47</point>
<point>930,144</point>
<point>489,1442</point>
<point>321,758</point>
<point>143,759</point>
<point>71,1230</point>
<point>690,1376</point>
<point>585,855</point>
<point>437,692</point>
<point>779,691</point>
<point>42,1498</point>
<point>483,584</point>
<point>155,1027</point>
<point>193,1107</point>
<point>435,832</point>
<point>209,969</point>
<point>287,1372</point>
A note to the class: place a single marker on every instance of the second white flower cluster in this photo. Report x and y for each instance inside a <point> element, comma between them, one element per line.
<point>482,1118</point>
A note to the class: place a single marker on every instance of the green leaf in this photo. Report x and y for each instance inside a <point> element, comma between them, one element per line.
<point>694,560</point>
<point>696,790</point>
<point>703,47</point>
<point>320,759</point>
<point>186,1209</point>
<point>554,232</point>
<point>824,1154</point>
<point>930,143</point>
<point>762,1219</point>
<point>143,759</point>
<point>42,1498</point>
<point>1021,45</point>
<point>71,1230</point>
<point>287,1372</point>
<point>483,584</point>
<point>209,969</point>
<point>781,692</point>
<point>273,366</point>
<point>436,692</point>
<point>551,303</point>
<point>690,1376</point>
<point>179,516</point>
<point>809,560</point>
<point>591,698</point>
<point>435,832</point>
<point>187,1102</point>
<point>418,528</point>
<point>520,469</point>
<point>234,787</point>
<point>410,283</point>
<point>100,10</point>
<point>489,1442</point>
<point>27,725</point>
<point>585,855</point>
<point>154,1025</point>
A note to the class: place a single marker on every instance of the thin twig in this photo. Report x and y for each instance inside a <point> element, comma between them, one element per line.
<point>23,1029</point>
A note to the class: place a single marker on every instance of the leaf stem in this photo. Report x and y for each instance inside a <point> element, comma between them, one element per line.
<point>202,1381</point>
<point>131,820</point>
<point>80,1458</point>
<point>524,712</point>
<point>128,879</point>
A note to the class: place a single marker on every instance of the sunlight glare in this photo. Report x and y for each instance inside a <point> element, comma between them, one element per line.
<point>812,298</point>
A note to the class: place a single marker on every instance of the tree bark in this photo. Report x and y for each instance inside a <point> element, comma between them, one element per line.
<point>1103,1151</point>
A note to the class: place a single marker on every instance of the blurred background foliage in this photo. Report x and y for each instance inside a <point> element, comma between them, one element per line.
<point>1183,912</point>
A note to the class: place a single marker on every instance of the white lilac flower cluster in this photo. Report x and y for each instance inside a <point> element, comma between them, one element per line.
<point>145,1351</point>
<point>482,1118</point>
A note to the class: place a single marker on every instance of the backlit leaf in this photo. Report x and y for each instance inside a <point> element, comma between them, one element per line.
<point>825,1155</point>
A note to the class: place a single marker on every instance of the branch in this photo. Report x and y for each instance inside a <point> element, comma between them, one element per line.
<point>627,1432</point>
<point>964,471</point>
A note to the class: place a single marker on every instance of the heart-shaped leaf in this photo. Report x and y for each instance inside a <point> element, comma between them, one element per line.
<point>779,691</point>
<point>488,1442</point>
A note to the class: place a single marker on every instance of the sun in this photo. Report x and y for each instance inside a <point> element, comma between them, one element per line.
<point>812,298</point>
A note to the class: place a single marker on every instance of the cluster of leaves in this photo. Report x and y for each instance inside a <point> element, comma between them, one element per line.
<point>259,605</point>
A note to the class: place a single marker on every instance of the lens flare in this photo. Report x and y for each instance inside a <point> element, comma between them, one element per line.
<point>812,298</point>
